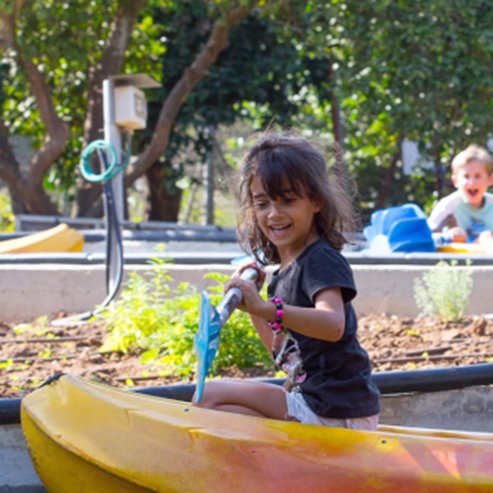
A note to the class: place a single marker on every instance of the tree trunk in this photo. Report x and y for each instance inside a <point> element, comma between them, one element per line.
<point>27,192</point>
<point>26,196</point>
<point>164,196</point>
<point>191,201</point>
<point>89,203</point>
<point>388,181</point>
<point>216,44</point>
<point>29,189</point>
<point>337,129</point>
<point>439,173</point>
<point>218,41</point>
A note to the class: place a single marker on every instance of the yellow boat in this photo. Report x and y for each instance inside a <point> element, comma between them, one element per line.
<point>88,437</point>
<point>61,238</point>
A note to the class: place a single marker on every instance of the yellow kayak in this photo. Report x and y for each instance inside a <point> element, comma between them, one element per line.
<point>61,238</point>
<point>87,437</point>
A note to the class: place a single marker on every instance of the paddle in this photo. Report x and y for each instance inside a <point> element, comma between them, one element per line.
<point>211,322</point>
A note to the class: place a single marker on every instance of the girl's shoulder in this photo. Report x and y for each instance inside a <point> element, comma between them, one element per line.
<point>322,249</point>
<point>320,255</point>
<point>325,268</point>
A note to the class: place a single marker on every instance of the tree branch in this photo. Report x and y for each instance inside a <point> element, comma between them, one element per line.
<point>7,23</point>
<point>9,166</point>
<point>6,30</point>
<point>217,42</point>
<point>56,128</point>
<point>25,197</point>
<point>110,64</point>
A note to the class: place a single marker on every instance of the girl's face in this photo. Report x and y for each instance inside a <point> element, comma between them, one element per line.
<point>472,180</point>
<point>286,221</point>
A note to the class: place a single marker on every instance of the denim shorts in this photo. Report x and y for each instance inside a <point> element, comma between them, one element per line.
<point>299,410</point>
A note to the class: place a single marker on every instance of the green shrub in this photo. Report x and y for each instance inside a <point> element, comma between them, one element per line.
<point>7,218</point>
<point>160,322</point>
<point>444,291</point>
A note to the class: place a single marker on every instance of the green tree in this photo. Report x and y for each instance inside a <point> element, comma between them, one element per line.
<point>419,71</point>
<point>364,75</point>
<point>257,70</point>
<point>50,57</point>
<point>55,70</point>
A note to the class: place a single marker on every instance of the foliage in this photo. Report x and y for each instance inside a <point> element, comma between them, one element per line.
<point>259,78</point>
<point>416,70</point>
<point>7,218</point>
<point>444,291</point>
<point>65,57</point>
<point>49,33</point>
<point>160,322</point>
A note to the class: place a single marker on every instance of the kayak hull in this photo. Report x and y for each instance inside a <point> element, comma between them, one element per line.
<point>104,439</point>
<point>63,470</point>
<point>61,238</point>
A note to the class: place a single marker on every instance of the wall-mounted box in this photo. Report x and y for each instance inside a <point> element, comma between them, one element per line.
<point>130,107</point>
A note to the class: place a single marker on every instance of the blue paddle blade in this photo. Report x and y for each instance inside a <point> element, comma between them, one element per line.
<point>206,341</point>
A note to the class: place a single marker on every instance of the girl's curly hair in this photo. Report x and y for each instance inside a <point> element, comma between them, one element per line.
<point>283,161</point>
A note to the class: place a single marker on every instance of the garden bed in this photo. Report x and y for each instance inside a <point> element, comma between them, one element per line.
<point>31,355</point>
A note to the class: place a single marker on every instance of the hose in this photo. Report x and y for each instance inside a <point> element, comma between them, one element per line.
<point>110,170</point>
<point>113,231</point>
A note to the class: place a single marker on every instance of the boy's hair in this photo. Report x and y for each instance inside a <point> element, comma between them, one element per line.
<point>281,160</point>
<point>473,152</point>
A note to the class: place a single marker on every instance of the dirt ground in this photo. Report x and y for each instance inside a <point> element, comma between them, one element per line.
<point>29,355</point>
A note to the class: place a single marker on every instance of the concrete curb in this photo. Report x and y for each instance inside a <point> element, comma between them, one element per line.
<point>390,289</point>
<point>30,291</point>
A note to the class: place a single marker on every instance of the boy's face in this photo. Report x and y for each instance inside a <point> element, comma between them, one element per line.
<point>472,180</point>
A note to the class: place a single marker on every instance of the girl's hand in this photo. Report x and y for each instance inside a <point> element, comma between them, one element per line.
<point>252,301</point>
<point>251,265</point>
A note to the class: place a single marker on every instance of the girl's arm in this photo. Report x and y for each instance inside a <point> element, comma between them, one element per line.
<point>326,321</point>
<point>263,330</point>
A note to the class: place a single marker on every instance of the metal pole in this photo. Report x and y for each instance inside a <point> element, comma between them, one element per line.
<point>208,180</point>
<point>112,136</point>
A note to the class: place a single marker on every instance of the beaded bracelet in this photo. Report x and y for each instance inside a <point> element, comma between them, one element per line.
<point>277,324</point>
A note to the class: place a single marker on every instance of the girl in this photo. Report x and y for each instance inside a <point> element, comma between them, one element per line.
<point>293,216</point>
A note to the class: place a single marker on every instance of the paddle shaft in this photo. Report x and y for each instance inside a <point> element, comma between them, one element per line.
<point>233,297</point>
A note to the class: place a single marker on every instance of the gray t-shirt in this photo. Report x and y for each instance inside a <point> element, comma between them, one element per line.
<point>337,382</point>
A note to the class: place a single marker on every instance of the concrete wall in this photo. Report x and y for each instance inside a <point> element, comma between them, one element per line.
<point>390,289</point>
<point>29,291</point>
<point>16,469</point>
<point>468,409</point>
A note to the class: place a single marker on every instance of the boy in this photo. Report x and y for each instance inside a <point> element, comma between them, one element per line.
<point>467,214</point>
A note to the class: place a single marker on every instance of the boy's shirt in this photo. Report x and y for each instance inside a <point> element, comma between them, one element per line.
<point>472,220</point>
